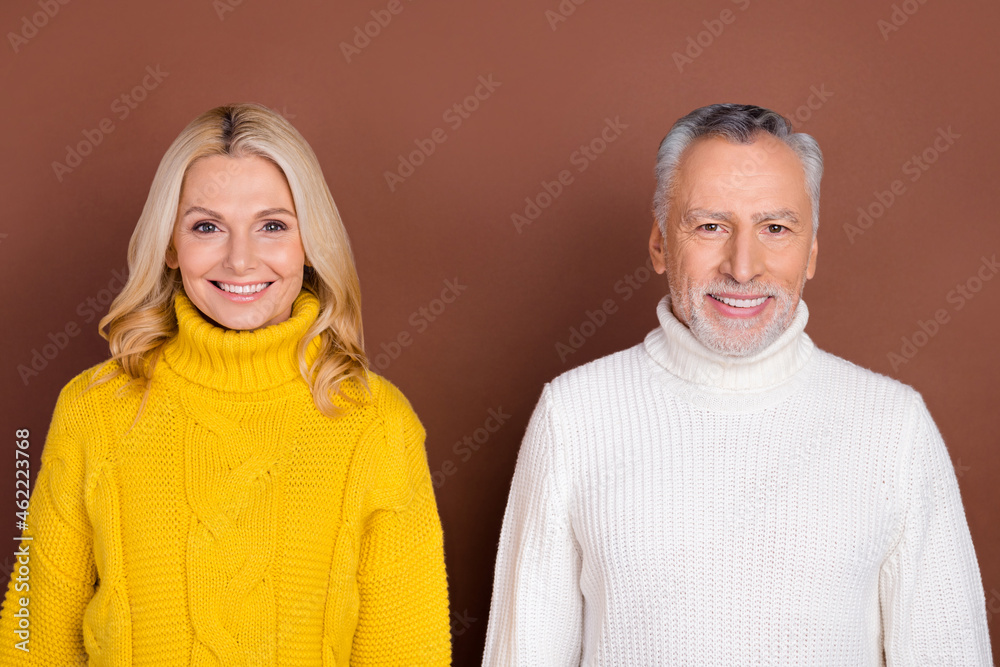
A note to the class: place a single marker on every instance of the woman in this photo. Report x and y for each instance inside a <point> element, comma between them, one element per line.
<point>234,487</point>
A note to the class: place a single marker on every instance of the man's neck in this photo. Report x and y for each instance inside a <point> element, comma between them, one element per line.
<point>675,348</point>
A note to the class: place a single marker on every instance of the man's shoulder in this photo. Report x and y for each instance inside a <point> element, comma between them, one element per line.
<point>851,379</point>
<point>599,377</point>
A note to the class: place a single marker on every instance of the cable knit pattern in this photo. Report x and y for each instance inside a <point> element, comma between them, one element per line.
<point>234,524</point>
<point>674,506</point>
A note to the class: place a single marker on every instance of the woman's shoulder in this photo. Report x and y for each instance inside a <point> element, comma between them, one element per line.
<point>375,394</point>
<point>395,441</point>
<point>380,402</point>
<point>91,394</point>
<point>99,383</point>
<point>387,396</point>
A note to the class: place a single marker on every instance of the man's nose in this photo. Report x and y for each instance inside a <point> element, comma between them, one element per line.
<point>744,256</point>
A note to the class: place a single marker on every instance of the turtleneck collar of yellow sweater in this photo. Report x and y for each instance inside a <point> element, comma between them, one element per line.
<point>240,361</point>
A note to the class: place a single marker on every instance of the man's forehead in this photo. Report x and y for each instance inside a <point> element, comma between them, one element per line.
<point>764,175</point>
<point>717,154</point>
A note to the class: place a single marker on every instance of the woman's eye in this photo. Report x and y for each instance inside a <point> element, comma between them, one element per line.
<point>274,226</point>
<point>205,227</point>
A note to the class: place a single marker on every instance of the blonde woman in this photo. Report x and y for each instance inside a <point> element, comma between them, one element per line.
<point>234,487</point>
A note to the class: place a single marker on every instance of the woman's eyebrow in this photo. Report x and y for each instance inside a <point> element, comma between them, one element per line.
<point>215,214</point>
<point>204,211</point>
<point>274,211</point>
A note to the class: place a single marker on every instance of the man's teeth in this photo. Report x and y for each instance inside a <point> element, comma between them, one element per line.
<point>241,289</point>
<point>741,303</point>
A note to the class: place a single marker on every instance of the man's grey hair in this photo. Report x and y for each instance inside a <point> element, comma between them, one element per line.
<point>738,124</point>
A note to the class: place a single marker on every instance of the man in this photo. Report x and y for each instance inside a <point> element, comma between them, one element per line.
<point>725,493</point>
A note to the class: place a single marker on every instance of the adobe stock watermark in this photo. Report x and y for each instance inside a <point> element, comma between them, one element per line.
<point>581,158</point>
<point>420,320</point>
<point>562,12</point>
<point>992,604</point>
<point>223,7</point>
<point>898,17</point>
<point>454,116</point>
<point>121,107</point>
<point>461,622</point>
<point>363,34</point>
<point>714,28</point>
<point>220,180</point>
<point>624,289</point>
<point>89,309</point>
<point>470,443</point>
<point>956,297</point>
<point>915,167</point>
<point>759,152</point>
<point>464,449</point>
<point>30,25</point>
<point>817,98</point>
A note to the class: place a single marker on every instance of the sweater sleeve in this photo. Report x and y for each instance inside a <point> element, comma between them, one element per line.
<point>54,572</point>
<point>536,615</point>
<point>403,616</point>
<point>931,593</point>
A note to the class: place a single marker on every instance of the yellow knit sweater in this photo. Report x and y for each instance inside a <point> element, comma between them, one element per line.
<point>235,524</point>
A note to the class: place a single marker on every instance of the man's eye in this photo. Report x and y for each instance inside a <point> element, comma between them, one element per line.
<point>274,226</point>
<point>205,227</point>
<point>710,227</point>
<point>775,229</point>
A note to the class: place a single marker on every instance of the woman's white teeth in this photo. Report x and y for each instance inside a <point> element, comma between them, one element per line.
<point>242,289</point>
<point>741,303</point>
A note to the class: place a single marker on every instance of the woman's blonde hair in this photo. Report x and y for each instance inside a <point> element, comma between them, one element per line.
<point>142,319</point>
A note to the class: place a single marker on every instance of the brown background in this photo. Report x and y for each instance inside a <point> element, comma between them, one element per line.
<point>887,96</point>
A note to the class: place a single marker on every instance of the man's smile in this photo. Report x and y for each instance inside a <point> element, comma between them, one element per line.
<point>739,302</point>
<point>743,308</point>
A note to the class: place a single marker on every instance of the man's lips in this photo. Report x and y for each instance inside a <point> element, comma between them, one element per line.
<point>739,305</point>
<point>732,295</point>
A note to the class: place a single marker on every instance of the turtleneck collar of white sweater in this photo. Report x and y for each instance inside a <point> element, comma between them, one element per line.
<point>673,347</point>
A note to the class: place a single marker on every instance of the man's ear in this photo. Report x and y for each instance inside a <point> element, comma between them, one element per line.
<point>658,248</point>
<point>811,267</point>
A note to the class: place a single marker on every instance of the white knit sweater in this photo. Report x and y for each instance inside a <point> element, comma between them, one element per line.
<point>672,506</point>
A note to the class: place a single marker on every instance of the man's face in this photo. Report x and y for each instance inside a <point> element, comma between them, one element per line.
<point>739,245</point>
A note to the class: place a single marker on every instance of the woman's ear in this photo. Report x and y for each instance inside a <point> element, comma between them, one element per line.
<point>172,257</point>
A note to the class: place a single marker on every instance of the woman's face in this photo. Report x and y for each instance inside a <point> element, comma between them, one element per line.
<point>236,242</point>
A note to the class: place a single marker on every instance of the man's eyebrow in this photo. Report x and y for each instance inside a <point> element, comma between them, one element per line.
<point>777,214</point>
<point>706,214</point>
<point>214,214</point>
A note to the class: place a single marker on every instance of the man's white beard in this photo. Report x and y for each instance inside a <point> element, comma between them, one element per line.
<point>732,336</point>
